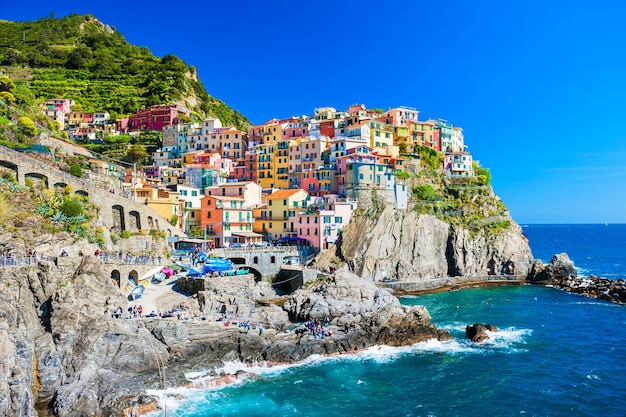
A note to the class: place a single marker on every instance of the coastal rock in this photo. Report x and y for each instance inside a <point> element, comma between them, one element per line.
<point>412,247</point>
<point>559,269</point>
<point>343,294</point>
<point>58,349</point>
<point>478,332</point>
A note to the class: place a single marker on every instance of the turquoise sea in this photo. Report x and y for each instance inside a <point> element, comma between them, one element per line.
<point>556,354</point>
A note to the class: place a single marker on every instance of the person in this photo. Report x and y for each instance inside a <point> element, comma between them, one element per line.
<point>140,310</point>
<point>63,253</point>
<point>260,327</point>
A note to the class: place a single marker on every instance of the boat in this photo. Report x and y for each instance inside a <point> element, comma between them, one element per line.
<point>151,273</point>
<point>184,265</point>
<point>136,292</point>
<point>159,276</point>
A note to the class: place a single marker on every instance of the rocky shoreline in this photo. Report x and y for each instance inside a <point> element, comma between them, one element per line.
<point>59,353</point>
<point>560,273</point>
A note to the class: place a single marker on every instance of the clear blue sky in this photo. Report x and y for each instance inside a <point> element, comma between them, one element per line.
<point>539,87</point>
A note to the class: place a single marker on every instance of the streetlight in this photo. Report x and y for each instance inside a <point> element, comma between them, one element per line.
<point>134,179</point>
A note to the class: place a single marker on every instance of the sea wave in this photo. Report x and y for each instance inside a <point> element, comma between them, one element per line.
<point>204,383</point>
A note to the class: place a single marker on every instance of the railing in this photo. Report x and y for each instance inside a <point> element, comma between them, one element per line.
<point>31,260</point>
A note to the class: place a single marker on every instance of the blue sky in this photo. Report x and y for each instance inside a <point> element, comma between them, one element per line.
<point>539,87</point>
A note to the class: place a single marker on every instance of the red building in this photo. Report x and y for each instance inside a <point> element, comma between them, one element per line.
<point>327,128</point>
<point>155,117</point>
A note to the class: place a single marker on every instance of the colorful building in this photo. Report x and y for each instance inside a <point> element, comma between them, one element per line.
<point>155,117</point>
<point>323,219</point>
<point>458,165</point>
<point>227,221</point>
<point>277,218</point>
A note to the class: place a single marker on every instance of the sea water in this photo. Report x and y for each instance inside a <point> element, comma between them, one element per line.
<point>554,354</point>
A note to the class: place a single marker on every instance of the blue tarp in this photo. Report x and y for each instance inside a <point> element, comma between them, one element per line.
<point>193,273</point>
<point>223,265</point>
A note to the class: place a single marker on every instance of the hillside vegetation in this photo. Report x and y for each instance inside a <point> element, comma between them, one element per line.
<point>79,58</point>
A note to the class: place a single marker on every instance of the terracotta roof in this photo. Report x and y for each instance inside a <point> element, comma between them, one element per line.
<point>284,193</point>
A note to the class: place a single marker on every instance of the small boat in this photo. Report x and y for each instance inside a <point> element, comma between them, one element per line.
<point>159,276</point>
<point>136,292</point>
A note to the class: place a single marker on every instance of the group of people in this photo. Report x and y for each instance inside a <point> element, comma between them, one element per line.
<point>317,328</point>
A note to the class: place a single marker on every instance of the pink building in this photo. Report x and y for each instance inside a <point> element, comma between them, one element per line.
<point>321,223</point>
<point>59,104</point>
<point>121,125</point>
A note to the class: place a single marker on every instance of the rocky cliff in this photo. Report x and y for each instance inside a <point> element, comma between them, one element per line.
<point>61,354</point>
<point>407,246</point>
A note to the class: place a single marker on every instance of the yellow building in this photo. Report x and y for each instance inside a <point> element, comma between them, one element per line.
<point>281,162</point>
<point>277,218</point>
<point>381,134</point>
<point>266,171</point>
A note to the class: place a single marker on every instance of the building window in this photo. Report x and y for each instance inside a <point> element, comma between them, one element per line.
<point>208,215</point>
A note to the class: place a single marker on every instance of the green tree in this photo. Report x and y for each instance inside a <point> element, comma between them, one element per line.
<point>425,192</point>
<point>483,174</point>
<point>7,97</point>
<point>6,84</point>
<point>26,126</point>
<point>71,207</point>
<point>136,154</point>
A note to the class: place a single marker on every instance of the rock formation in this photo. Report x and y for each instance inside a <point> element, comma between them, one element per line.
<point>478,332</point>
<point>408,246</point>
<point>58,349</point>
<point>559,269</point>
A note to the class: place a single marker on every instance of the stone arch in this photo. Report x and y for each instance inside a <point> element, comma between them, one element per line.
<point>238,261</point>
<point>135,220</point>
<point>42,178</point>
<point>60,184</point>
<point>273,259</point>
<point>119,224</point>
<point>255,260</point>
<point>10,165</point>
<point>491,267</point>
<point>150,222</point>
<point>82,193</point>
<point>115,278</point>
<point>258,276</point>
<point>134,275</point>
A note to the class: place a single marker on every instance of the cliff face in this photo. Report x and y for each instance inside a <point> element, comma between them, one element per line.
<point>58,349</point>
<point>405,245</point>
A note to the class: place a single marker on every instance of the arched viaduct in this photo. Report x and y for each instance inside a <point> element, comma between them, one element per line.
<point>117,213</point>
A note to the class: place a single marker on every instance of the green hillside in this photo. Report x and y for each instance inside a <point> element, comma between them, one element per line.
<point>80,58</point>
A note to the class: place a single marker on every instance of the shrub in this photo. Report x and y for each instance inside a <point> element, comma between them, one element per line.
<point>425,192</point>
<point>403,175</point>
<point>125,234</point>
<point>28,182</point>
<point>7,97</point>
<point>174,220</point>
<point>76,170</point>
<point>26,126</point>
<point>71,208</point>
